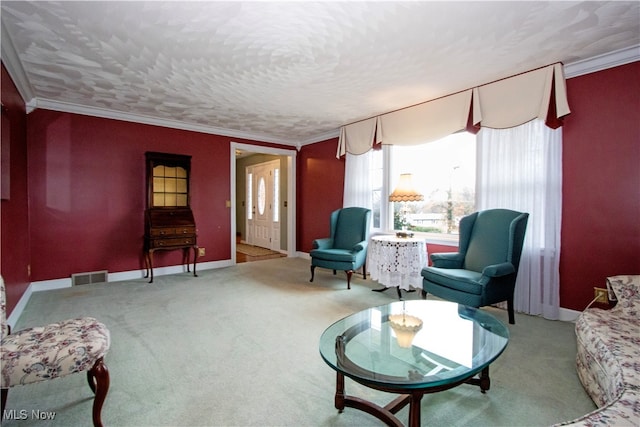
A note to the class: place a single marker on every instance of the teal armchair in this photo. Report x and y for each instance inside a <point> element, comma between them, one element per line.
<point>346,249</point>
<point>484,269</point>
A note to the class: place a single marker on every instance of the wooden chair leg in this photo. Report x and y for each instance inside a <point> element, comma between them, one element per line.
<point>349,273</point>
<point>91,380</point>
<point>98,377</point>
<point>512,318</point>
<point>364,271</point>
<point>424,294</point>
<point>313,269</point>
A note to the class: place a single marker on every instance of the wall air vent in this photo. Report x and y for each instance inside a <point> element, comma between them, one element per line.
<point>89,278</point>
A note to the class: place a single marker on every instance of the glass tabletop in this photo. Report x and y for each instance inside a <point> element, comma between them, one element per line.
<point>414,344</point>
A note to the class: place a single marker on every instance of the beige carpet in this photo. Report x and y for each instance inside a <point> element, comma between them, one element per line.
<point>238,346</point>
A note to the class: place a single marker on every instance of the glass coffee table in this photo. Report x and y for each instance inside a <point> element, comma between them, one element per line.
<point>411,348</point>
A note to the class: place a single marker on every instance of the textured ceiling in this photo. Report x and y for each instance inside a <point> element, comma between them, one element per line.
<point>291,72</point>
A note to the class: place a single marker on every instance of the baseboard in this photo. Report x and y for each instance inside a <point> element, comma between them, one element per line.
<point>567,315</point>
<point>19,308</point>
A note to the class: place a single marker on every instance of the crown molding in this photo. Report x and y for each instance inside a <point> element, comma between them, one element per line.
<point>602,62</point>
<point>14,67</point>
<point>321,137</point>
<point>66,107</point>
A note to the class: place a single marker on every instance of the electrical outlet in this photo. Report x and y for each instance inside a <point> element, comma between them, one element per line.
<point>600,294</point>
<point>201,251</point>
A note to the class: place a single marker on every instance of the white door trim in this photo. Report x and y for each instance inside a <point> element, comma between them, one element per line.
<point>273,227</point>
<point>291,192</point>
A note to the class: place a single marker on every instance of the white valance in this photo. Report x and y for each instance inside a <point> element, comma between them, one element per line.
<point>426,122</point>
<point>357,138</point>
<point>502,104</point>
<point>517,100</point>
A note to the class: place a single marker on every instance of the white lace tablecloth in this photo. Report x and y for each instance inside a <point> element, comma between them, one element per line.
<point>397,262</point>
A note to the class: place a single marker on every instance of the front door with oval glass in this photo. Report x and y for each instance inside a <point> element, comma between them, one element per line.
<point>263,195</point>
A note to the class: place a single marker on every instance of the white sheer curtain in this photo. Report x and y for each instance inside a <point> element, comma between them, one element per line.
<point>357,181</point>
<point>520,168</point>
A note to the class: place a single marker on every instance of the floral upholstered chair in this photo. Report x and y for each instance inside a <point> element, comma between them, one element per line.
<point>53,351</point>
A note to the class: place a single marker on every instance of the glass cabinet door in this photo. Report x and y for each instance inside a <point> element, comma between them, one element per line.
<point>168,180</point>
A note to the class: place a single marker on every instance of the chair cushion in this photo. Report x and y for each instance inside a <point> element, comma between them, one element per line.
<point>454,278</point>
<point>43,353</point>
<point>490,239</point>
<point>338,255</point>
<point>350,228</point>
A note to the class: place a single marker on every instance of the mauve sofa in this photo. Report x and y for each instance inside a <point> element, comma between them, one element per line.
<point>608,358</point>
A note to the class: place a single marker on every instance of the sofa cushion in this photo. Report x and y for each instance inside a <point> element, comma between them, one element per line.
<point>596,363</point>
<point>608,357</point>
<point>625,411</point>
<point>627,291</point>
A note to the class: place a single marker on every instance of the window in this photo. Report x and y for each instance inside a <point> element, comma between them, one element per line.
<point>276,195</point>
<point>443,172</point>
<point>262,195</point>
<point>249,195</point>
<point>377,179</point>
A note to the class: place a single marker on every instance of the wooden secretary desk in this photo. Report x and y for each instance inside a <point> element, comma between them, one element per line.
<point>169,223</point>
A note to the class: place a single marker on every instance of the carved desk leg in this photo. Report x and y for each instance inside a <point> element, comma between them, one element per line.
<point>195,258</point>
<point>150,264</point>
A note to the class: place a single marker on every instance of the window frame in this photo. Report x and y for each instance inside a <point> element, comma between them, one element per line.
<point>387,208</point>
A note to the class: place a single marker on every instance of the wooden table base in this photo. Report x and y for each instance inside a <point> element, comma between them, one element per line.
<point>386,414</point>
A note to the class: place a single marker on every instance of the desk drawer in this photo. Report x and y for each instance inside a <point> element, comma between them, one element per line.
<point>172,242</point>
<point>172,231</point>
<point>160,232</point>
<point>185,230</point>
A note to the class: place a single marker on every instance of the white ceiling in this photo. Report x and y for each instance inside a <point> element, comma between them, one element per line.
<point>288,72</point>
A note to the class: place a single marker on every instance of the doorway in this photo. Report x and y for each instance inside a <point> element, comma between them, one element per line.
<point>254,206</point>
<point>262,195</point>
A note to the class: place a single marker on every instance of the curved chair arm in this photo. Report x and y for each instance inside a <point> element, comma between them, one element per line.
<point>326,243</point>
<point>447,260</point>
<point>498,270</point>
<point>362,246</point>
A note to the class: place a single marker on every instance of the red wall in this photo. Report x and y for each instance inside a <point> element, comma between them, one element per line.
<point>601,182</point>
<point>14,228</point>
<point>433,248</point>
<point>87,192</point>
<point>320,183</point>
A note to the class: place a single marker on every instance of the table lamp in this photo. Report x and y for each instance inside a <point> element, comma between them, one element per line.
<point>405,192</point>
